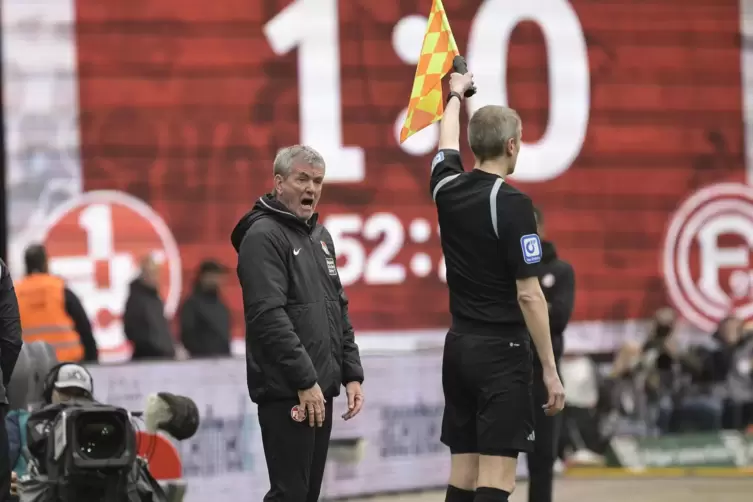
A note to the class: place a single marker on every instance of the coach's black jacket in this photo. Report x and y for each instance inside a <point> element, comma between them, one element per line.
<point>10,331</point>
<point>297,328</point>
<point>558,283</point>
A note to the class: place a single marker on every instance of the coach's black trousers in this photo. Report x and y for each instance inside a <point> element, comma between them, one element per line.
<point>5,466</point>
<point>296,453</point>
<point>547,430</point>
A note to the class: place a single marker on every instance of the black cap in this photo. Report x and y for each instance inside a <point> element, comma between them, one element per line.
<point>212,266</point>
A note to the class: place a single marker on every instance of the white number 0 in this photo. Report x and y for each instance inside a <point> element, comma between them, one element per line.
<point>569,87</point>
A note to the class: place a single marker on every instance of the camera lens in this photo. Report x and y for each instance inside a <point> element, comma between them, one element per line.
<point>100,436</point>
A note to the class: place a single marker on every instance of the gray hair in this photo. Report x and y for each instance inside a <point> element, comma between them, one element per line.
<point>490,129</point>
<point>287,156</point>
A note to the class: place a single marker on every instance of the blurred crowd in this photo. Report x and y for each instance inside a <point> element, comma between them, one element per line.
<point>52,313</point>
<point>660,386</point>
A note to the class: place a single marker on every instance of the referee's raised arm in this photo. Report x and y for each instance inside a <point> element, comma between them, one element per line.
<point>449,127</point>
<point>447,164</point>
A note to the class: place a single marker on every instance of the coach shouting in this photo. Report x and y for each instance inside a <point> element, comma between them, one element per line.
<point>300,345</point>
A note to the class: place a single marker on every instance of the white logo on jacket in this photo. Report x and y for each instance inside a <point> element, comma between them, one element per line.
<point>331,266</point>
<point>548,280</point>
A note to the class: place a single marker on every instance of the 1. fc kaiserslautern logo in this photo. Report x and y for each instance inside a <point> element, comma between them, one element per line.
<point>298,413</point>
<point>707,255</point>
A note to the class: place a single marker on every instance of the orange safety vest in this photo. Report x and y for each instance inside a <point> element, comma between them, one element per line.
<point>41,301</point>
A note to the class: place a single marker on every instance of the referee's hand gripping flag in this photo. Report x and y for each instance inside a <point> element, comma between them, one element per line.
<point>438,52</point>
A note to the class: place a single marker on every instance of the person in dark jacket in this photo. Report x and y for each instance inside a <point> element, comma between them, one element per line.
<point>558,283</point>
<point>300,345</point>
<point>204,317</point>
<point>706,368</point>
<point>10,347</point>
<point>144,319</point>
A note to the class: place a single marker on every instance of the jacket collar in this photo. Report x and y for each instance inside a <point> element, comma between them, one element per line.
<point>271,205</point>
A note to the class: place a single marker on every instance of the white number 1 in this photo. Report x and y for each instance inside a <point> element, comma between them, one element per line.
<point>96,220</point>
<point>313,26</point>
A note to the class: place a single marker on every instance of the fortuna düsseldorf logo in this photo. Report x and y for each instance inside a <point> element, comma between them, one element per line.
<point>707,251</point>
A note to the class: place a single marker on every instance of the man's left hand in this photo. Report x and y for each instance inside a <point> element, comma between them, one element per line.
<point>355,400</point>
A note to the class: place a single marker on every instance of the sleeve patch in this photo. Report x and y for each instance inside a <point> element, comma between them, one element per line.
<point>531,246</point>
<point>439,157</point>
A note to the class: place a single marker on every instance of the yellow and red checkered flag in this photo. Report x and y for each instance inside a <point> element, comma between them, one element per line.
<point>437,52</point>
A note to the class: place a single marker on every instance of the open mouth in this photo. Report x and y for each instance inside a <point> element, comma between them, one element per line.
<point>307,203</point>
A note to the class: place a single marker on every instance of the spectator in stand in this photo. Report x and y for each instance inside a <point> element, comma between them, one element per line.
<point>637,395</point>
<point>659,370</point>
<point>52,313</point>
<point>700,402</point>
<point>738,408</point>
<point>580,442</point>
<point>144,319</point>
<point>204,317</point>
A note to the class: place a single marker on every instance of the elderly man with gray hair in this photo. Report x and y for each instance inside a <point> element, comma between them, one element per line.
<point>300,346</point>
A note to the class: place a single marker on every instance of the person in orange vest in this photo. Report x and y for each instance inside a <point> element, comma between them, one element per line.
<point>52,313</point>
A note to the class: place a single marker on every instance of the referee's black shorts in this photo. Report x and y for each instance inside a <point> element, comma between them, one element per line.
<point>487,382</point>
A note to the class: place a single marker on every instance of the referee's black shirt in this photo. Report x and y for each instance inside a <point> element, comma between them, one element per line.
<point>488,233</point>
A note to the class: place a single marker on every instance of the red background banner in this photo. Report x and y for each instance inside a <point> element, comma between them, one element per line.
<point>184,103</point>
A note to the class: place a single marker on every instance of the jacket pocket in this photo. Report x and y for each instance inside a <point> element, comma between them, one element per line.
<point>334,318</point>
<point>311,325</point>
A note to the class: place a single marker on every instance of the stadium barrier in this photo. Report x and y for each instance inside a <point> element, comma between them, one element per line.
<point>392,446</point>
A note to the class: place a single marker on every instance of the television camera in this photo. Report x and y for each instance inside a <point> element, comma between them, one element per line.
<point>84,451</point>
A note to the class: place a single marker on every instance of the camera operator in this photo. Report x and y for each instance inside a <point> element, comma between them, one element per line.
<point>64,383</point>
<point>77,449</point>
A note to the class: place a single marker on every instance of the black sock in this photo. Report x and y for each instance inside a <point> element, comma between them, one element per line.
<point>455,494</point>
<point>486,494</point>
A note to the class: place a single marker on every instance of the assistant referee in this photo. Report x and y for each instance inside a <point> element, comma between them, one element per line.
<point>492,254</point>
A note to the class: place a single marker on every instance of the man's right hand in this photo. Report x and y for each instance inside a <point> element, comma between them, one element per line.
<point>555,391</point>
<point>312,400</point>
<point>461,83</point>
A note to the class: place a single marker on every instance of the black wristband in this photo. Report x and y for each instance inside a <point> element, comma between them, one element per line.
<point>453,94</point>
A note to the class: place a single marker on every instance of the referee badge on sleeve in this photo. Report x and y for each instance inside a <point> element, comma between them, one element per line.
<point>531,246</point>
<point>437,159</point>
